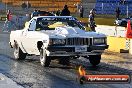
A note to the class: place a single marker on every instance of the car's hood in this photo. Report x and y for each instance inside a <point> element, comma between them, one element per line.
<point>71,32</point>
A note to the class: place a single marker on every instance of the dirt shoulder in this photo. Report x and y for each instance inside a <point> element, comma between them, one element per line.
<point>122,60</point>
<point>116,54</point>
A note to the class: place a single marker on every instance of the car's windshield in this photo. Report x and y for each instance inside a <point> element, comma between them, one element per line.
<point>52,23</point>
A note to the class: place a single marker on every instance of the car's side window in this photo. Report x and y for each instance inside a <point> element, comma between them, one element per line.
<point>38,26</point>
<point>32,25</point>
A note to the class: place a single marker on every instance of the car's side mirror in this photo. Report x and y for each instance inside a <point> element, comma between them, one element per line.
<point>32,25</point>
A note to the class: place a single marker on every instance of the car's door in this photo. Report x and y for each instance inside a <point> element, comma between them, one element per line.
<point>29,38</point>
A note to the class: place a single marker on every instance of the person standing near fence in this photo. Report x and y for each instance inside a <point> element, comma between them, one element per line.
<point>65,11</point>
<point>117,12</point>
<point>58,12</point>
<point>8,23</point>
<point>92,24</point>
<point>35,13</point>
<point>81,10</point>
<point>9,15</point>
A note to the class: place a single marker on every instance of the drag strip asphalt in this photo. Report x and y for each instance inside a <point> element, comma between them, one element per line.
<point>30,74</point>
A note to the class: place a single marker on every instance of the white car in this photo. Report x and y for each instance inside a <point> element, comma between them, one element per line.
<point>57,37</point>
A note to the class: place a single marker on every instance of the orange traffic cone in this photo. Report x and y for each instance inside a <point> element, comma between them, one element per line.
<point>128,30</point>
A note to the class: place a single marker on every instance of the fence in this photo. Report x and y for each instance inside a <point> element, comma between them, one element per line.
<point>16,23</point>
<point>109,8</point>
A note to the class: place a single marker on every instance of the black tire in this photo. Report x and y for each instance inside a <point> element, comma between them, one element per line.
<point>44,59</point>
<point>94,59</point>
<point>64,60</point>
<point>18,53</point>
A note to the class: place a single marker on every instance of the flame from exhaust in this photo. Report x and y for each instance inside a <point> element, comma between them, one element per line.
<point>81,70</point>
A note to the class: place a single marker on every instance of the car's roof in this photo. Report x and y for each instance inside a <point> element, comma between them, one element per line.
<point>45,13</point>
<point>52,17</point>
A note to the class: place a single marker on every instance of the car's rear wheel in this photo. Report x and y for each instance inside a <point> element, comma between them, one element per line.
<point>94,59</point>
<point>18,53</point>
<point>44,59</point>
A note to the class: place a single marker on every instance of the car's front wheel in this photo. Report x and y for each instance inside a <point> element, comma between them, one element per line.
<point>18,53</point>
<point>94,59</point>
<point>44,59</point>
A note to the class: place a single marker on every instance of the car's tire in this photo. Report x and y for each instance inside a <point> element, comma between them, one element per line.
<point>44,59</point>
<point>64,60</point>
<point>18,53</point>
<point>94,59</point>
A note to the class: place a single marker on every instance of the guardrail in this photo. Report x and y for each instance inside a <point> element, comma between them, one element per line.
<point>116,31</point>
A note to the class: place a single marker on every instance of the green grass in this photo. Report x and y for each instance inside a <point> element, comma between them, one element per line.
<point>99,21</point>
<point>105,21</point>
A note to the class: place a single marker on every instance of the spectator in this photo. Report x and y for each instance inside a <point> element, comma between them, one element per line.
<point>58,12</point>
<point>81,11</point>
<point>39,13</point>
<point>35,13</point>
<point>9,15</point>
<point>123,2</point>
<point>91,20</point>
<point>65,11</point>
<point>28,5</point>
<point>24,5</point>
<point>9,24</point>
<point>77,6</point>
<point>117,12</point>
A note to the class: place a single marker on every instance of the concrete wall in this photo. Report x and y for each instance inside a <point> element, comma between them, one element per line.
<point>111,30</point>
<point>130,50</point>
<point>115,37</point>
<point>116,43</point>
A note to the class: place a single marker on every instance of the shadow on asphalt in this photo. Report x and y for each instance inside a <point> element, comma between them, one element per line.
<point>62,67</point>
<point>101,68</point>
<point>104,68</point>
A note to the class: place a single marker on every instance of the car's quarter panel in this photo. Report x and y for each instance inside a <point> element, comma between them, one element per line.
<point>15,37</point>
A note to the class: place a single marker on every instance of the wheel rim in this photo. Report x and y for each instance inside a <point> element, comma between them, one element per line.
<point>42,57</point>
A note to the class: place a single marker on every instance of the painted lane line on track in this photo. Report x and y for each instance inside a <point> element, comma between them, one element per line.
<point>6,82</point>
